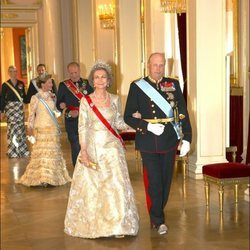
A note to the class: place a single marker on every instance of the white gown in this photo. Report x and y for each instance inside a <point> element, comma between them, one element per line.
<point>101,202</point>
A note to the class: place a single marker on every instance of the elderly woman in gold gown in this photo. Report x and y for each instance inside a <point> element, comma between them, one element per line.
<point>46,165</point>
<point>101,200</point>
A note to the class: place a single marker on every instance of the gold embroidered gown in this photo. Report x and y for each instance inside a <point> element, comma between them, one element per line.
<point>101,202</point>
<point>46,164</point>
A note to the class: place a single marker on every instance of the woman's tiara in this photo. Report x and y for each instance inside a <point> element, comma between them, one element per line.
<point>99,64</point>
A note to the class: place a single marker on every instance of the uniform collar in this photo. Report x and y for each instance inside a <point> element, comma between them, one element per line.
<point>154,81</point>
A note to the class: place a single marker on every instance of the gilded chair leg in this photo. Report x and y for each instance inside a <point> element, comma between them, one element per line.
<point>184,168</point>
<point>136,160</point>
<point>207,193</point>
<point>221,197</point>
<point>175,167</point>
<point>236,192</point>
<point>141,164</point>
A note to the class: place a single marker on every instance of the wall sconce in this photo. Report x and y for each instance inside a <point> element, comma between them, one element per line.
<point>173,6</point>
<point>106,13</point>
<point>4,2</point>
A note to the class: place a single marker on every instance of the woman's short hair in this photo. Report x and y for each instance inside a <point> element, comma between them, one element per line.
<point>12,67</point>
<point>101,65</point>
<point>42,80</point>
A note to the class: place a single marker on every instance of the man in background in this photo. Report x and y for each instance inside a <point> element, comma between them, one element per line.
<point>69,94</point>
<point>33,89</point>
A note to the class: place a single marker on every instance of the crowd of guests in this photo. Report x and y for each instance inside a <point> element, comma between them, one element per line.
<point>101,198</point>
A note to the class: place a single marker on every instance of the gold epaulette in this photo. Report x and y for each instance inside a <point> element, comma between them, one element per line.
<point>172,77</point>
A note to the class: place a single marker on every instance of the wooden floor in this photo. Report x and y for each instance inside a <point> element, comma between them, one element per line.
<point>32,218</point>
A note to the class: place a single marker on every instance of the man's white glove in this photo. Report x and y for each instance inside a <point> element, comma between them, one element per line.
<point>156,128</point>
<point>185,147</point>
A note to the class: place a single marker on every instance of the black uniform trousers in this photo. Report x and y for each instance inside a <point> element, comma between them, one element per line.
<point>157,173</point>
<point>72,132</point>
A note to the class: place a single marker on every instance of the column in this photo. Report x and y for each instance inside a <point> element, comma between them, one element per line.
<point>52,35</point>
<point>206,82</point>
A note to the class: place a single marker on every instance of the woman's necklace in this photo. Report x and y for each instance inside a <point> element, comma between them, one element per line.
<point>98,99</point>
<point>45,94</point>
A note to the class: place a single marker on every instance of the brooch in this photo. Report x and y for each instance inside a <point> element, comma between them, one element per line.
<point>20,86</point>
<point>53,96</point>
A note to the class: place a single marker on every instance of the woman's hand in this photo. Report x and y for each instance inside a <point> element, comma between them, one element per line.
<point>30,132</point>
<point>84,157</point>
<point>62,105</point>
<point>137,115</point>
<point>74,113</point>
<point>2,116</point>
<point>31,138</point>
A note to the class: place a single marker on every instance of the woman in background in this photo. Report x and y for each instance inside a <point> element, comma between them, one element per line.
<point>47,165</point>
<point>12,100</point>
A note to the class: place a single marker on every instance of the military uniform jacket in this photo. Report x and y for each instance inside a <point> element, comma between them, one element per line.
<point>145,140</point>
<point>65,95</point>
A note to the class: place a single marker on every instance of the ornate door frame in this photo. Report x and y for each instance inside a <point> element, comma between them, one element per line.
<point>25,16</point>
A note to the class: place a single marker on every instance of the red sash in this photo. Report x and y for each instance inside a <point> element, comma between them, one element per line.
<point>103,120</point>
<point>73,89</point>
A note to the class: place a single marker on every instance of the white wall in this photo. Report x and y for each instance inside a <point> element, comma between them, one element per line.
<point>207,85</point>
<point>130,45</point>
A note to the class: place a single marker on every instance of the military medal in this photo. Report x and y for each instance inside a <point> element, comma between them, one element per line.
<point>167,86</point>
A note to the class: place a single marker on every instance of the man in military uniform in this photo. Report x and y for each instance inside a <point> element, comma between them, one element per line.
<point>69,94</point>
<point>41,74</point>
<point>163,123</point>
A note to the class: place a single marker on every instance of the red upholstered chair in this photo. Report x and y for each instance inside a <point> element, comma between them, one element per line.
<point>129,135</point>
<point>225,174</point>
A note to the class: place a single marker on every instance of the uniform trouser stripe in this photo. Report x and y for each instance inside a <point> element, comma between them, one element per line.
<point>146,183</point>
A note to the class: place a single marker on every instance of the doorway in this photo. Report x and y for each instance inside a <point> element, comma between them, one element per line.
<point>14,52</point>
<point>19,40</point>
